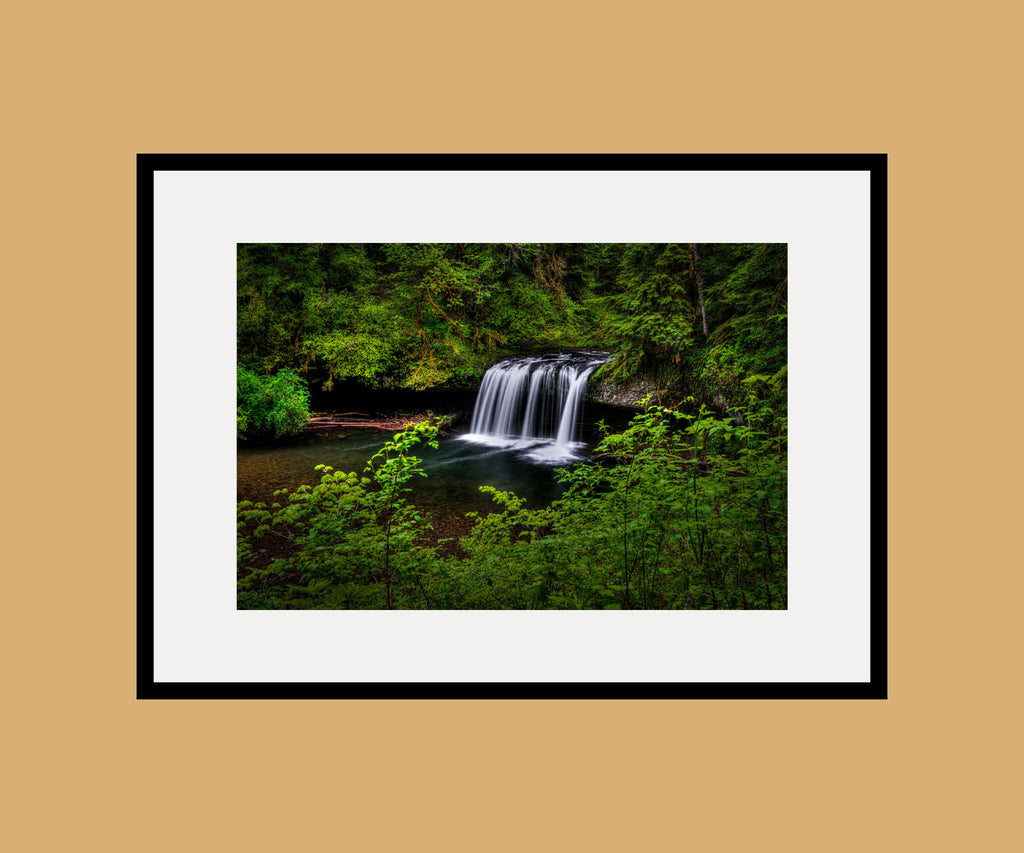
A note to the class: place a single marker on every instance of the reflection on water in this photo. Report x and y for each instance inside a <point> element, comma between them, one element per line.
<point>455,471</point>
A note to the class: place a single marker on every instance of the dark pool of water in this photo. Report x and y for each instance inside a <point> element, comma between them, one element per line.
<point>455,472</point>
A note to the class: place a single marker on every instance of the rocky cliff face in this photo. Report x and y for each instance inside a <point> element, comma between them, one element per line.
<point>627,394</point>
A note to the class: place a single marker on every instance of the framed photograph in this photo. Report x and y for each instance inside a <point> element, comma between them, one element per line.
<point>512,426</point>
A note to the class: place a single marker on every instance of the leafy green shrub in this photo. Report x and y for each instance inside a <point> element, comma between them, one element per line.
<point>358,542</point>
<point>680,510</point>
<point>271,405</point>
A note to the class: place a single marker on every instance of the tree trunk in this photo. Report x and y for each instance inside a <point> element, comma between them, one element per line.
<point>700,286</point>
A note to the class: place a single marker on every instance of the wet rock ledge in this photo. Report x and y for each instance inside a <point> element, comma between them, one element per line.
<point>627,394</point>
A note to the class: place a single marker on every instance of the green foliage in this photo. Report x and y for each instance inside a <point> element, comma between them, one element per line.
<point>651,317</point>
<point>357,540</point>
<point>271,405</point>
<point>687,511</point>
<point>351,356</point>
<point>414,315</point>
<point>747,301</point>
<point>681,510</point>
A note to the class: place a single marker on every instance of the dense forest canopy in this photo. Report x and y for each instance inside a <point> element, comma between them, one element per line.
<point>435,315</point>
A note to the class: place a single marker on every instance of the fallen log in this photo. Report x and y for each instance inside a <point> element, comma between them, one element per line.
<point>338,415</point>
<point>324,422</point>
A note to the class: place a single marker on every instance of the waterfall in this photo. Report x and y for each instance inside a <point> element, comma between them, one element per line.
<point>534,402</point>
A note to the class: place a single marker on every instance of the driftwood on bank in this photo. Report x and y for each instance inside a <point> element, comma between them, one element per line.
<point>360,420</point>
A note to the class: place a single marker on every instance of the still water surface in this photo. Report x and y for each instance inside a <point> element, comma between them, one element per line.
<point>455,472</point>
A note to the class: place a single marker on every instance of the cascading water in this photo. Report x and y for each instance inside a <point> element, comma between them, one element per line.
<point>534,402</point>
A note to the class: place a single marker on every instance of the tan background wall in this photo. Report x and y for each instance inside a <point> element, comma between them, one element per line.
<point>89,85</point>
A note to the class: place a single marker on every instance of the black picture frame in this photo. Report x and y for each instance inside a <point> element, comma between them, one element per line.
<point>148,688</point>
